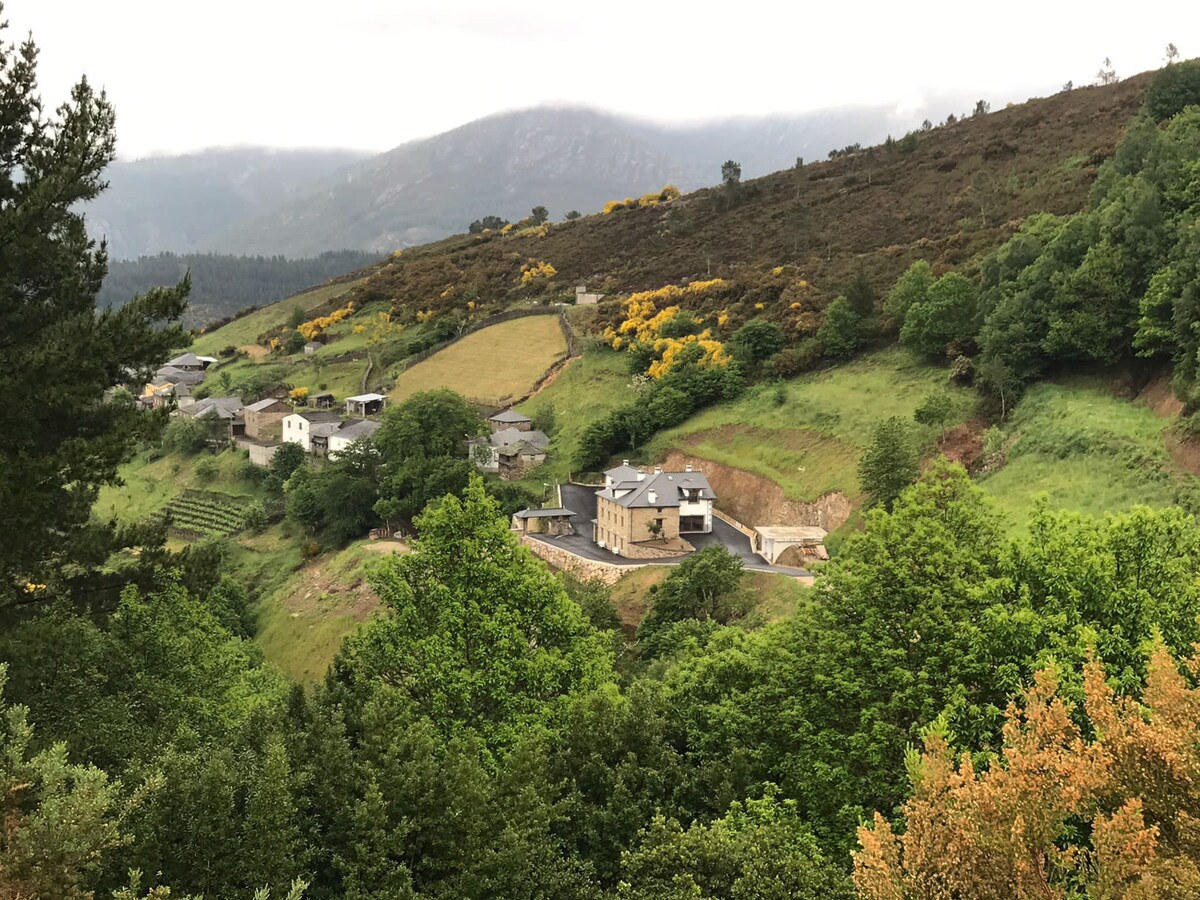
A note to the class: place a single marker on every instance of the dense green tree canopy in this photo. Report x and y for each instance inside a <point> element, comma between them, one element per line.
<point>58,355</point>
<point>479,636</point>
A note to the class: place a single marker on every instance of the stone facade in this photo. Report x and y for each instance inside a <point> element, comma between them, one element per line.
<point>587,569</point>
<point>265,424</point>
<point>618,528</point>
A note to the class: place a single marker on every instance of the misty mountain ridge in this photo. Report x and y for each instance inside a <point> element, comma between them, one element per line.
<point>300,203</point>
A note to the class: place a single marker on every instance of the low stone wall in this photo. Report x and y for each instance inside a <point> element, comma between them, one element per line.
<point>587,569</point>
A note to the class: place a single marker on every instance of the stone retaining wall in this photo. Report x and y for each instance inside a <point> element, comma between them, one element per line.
<point>587,569</point>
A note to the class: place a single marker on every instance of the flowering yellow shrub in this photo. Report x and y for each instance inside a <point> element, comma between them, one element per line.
<point>670,348</point>
<point>274,343</point>
<point>298,395</point>
<point>507,228</point>
<point>424,315</point>
<point>723,318</point>
<point>668,193</point>
<point>359,329</point>
<point>646,200</point>
<point>612,206</point>
<point>31,588</point>
<point>758,306</point>
<point>777,271</point>
<point>537,231</point>
<point>312,328</point>
<point>537,270</point>
<point>644,321</point>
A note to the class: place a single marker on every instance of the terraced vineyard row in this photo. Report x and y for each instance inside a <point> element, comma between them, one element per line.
<point>200,515</point>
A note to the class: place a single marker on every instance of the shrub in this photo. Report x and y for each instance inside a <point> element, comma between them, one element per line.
<point>310,549</point>
<point>207,469</point>
<point>255,516</point>
<point>184,436</point>
<point>841,334</point>
<point>1173,89</point>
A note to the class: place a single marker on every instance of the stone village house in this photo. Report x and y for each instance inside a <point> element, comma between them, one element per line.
<point>636,508</point>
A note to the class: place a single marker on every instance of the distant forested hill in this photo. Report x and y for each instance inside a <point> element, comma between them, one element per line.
<point>176,204</point>
<point>222,285</point>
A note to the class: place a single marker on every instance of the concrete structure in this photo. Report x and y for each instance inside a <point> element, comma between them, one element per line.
<point>635,509</point>
<point>261,452</point>
<point>349,432</point>
<point>312,347</point>
<point>556,521</point>
<point>771,540</point>
<point>264,419</point>
<point>301,428</point>
<point>509,419</point>
<point>365,404</point>
<point>585,298</point>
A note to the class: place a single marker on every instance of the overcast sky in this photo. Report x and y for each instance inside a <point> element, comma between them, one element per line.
<point>371,74</point>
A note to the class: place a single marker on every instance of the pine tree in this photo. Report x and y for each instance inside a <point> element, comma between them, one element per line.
<point>58,354</point>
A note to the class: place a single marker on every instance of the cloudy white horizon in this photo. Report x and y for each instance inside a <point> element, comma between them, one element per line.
<point>372,75</point>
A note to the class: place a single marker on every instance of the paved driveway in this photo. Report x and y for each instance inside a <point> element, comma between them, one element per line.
<point>581,499</point>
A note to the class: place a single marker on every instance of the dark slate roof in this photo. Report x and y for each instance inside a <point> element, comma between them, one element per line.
<point>511,436</point>
<point>544,513</point>
<point>264,404</point>
<point>624,472</point>
<point>187,359</point>
<point>521,447</point>
<point>509,416</point>
<point>668,488</point>
<point>320,416</point>
<point>358,428</point>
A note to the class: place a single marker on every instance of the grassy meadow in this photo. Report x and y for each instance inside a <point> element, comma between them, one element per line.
<point>246,330</point>
<point>501,361</point>
<point>1086,450</point>
<point>807,434</point>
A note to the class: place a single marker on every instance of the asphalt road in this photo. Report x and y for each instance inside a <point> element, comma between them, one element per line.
<point>581,500</point>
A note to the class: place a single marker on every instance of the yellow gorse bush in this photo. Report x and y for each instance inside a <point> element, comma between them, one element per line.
<point>314,327</point>
<point>644,321</point>
<point>298,395</point>
<point>537,270</point>
<point>670,348</point>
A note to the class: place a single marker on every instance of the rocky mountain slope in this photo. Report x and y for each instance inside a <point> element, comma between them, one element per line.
<point>179,204</point>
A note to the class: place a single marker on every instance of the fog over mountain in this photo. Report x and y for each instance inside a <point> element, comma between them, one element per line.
<point>301,203</point>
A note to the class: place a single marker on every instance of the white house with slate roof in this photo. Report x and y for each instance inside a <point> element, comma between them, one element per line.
<point>635,508</point>
<point>351,431</point>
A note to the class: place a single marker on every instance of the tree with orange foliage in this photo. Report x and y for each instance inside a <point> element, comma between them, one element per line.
<point>1107,811</point>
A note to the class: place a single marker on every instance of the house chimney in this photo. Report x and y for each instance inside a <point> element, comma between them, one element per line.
<point>658,470</point>
<point>688,467</point>
<point>652,497</point>
<point>624,462</point>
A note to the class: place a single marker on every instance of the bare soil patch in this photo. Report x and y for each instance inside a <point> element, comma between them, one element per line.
<point>754,500</point>
<point>256,352</point>
<point>1160,397</point>
<point>964,443</point>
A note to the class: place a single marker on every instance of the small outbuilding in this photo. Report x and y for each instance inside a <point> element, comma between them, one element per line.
<point>365,404</point>
<point>312,347</point>
<point>770,541</point>
<point>554,521</point>
<point>508,418</point>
